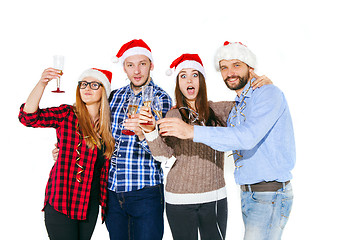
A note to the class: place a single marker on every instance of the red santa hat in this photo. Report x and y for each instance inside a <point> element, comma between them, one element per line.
<point>234,50</point>
<point>186,60</point>
<point>134,47</point>
<point>104,76</point>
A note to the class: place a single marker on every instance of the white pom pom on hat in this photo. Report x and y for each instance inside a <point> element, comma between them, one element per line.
<point>235,50</point>
<point>115,59</point>
<point>169,72</point>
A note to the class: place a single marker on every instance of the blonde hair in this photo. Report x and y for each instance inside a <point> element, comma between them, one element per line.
<point>93,133</point>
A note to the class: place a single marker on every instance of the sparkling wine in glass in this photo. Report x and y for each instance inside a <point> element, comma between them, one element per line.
<point>156,106</point>
<point>132,109</point>
<point>147,95</point>
<point>59,65</point>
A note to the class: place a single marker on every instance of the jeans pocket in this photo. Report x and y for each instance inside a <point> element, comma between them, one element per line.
<point>263,197</point>
<point>286,205</point>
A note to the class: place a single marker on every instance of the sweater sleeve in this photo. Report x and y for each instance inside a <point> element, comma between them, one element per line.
<point>44,118</point>
<point>161,147</point>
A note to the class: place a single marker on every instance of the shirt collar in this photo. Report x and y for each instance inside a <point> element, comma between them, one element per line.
<point>246,93</point>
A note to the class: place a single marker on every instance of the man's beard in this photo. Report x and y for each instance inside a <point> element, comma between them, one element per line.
<point>242,81</point>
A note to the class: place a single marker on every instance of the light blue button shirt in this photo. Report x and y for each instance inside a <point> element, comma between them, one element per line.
<point>262,133</point>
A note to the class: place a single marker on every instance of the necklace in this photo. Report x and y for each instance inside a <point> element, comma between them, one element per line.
<point>239,111</point>
<point>241,107</point>
<point>193,115</point>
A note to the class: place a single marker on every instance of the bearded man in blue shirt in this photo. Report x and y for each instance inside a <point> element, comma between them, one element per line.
<point>260,133</point>
<point>135,185</point>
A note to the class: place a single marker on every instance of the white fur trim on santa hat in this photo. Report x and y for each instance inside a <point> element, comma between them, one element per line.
<point>190,64</point>
<point>134,51</point>
<point>99,76</point>
<point>235,51</point>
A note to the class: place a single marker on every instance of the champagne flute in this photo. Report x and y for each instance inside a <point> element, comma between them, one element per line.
<point>59,65</point>
<point>157,107</point>
<point>131,110</point>
<point>147,95</point>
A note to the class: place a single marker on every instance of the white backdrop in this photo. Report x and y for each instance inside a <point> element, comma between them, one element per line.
<point>308,48</point>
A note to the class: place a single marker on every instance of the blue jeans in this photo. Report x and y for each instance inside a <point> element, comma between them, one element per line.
<point>265,214</point>
<point>136,215</point>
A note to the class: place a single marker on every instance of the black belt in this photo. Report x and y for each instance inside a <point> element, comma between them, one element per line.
<point>263,186</point>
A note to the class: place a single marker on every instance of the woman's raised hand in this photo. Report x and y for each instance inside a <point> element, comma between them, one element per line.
<point>32,103</point>
<point>49,74</point>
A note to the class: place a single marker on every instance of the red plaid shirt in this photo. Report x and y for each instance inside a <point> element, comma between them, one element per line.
<point>63,191</point>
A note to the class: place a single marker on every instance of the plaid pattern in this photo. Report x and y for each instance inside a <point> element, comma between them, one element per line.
<point>132,166</point>
<point>63,191</point>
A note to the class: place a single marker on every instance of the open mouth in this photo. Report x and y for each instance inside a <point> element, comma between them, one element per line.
<point>137,78</point>
<point>190,90</point>
<point>232,79</point>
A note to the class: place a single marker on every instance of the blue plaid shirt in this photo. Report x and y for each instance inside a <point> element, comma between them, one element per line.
<point>132,165</point>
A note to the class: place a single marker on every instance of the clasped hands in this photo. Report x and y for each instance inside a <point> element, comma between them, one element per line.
<point>145,121</point>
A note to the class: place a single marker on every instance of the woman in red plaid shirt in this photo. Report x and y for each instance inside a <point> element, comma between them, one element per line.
<point>78,180</point>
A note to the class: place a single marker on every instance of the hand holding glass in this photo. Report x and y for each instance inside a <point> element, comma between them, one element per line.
<point>132,109</point>
<point>59,65</point>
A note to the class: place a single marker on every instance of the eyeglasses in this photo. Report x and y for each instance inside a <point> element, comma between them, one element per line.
<point>93,85</point>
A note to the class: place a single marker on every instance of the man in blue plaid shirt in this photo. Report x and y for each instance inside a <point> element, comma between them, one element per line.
<point>135,202</point>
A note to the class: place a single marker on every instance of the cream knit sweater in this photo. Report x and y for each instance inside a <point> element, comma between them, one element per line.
<point>197,175</point>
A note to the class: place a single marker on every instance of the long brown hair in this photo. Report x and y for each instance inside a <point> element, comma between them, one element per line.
<point>101,129</point>
<point>205,113</point>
